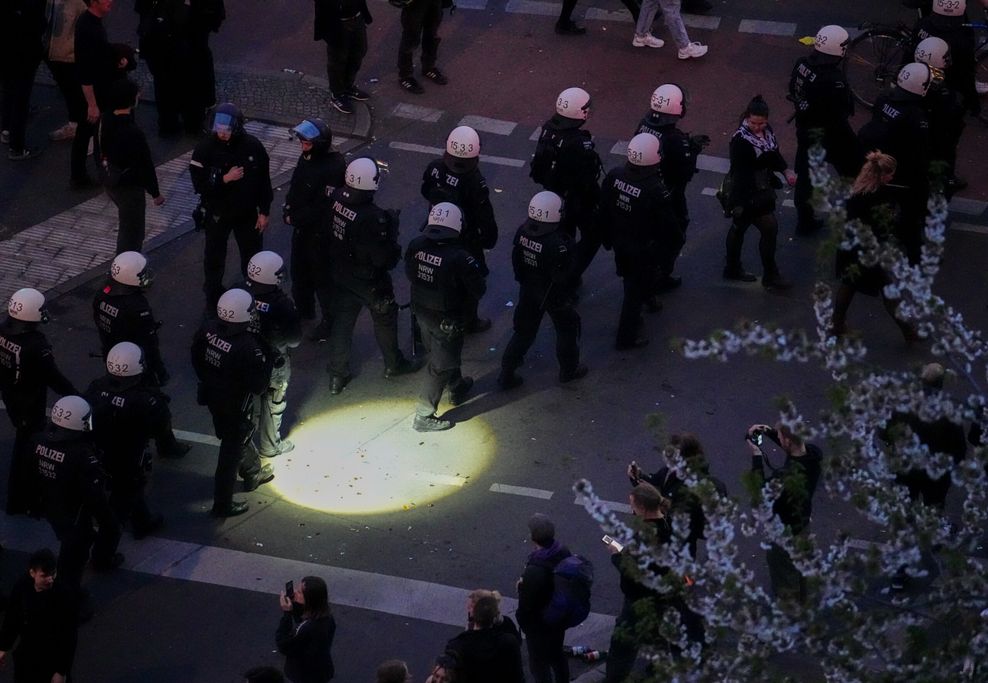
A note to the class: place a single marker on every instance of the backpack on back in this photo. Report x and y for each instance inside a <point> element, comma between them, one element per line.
<point>572,580</point>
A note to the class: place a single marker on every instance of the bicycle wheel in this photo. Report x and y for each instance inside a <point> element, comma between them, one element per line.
<point>981,81</point>
<point>872,63</point>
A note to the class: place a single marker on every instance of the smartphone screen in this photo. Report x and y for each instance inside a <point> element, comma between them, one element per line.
<point>290,590</point>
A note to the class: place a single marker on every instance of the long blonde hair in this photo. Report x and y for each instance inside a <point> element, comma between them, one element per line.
<point>876,165</point>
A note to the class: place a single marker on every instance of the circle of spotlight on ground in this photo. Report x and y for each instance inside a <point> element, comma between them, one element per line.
<point>367,459</point>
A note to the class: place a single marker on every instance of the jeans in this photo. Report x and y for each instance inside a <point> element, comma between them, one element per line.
<point>671,13</point>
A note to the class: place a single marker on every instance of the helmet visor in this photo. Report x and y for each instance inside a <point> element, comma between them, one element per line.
<point>222,123</point>
<point>306,131</point>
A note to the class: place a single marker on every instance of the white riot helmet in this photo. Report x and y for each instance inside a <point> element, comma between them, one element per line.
<point>28,305</point>
<point>363,174</point>
<point>235,306</point>
<point>573,103</point>
<point>668,98</point>
<point>546,207</point>
<point>933,52</point>
<point>125,360</point>
<point>950,8</point>
<point>643,150</point>
<point>831,40</point>
<point>446,215</point>
<point>72,412</point>
<point>131,268</point>
<point>463,143</point>
<point>915,78</point>
<point>266,268</point>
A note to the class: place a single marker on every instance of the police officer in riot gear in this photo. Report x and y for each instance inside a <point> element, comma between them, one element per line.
<point>277,323</point>
<point>363,249</point>
<point>230,172</point>
<point>320,170</point>
<point>444,279</point>
<point>637,221</point>
<point>679,154</point>
<point>73,498</point>
<point>233,368</point>
<point>127,412</point>
<point>543,258</point>
<point>457,179</point>
<point>27,370</point>
<point>824,104</point>
<point>900,127</point>
<point>949,21</point>
<point>945,108</point>
<point>566,162</point>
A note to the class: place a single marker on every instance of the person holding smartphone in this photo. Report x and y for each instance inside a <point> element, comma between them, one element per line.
<point>800,473</point>
<point>305,635</point>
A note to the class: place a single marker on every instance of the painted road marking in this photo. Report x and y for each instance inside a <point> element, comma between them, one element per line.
<point>705,162</point>
<point>417,113</point>
<point>542,9</point>
<point>768,28</point>
<point>598,14</point>
<point>195,437</point>
<point>521,491</point>
<point>488,125</point>
<point>471,4</point>
<point>444,479</point>
<point>968,227</point>
<point>613,505</point>
<point>535,134</point>
<point>394,595</point>
<point>971,207</point>
<point>620,148</point>
<point>701,21</point>
<point>709,192</point>
<point>436,151</point>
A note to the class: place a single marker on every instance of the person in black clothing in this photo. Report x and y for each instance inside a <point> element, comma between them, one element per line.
<point>457,179</point>
<point>489,651</point>
<point>363,250</point>
<point>278,325</point>
<point>755,159</point>
<point>637,220</point>
<point>307,638</point>
<point>343,25</point>
<point>949,22</point>
<point>319,172</point>
<point>546,659</point>
<point>682,498</point>
<point>543,258</point>
<point>163,39</point>
<point>444,278</point>
<point>126,414</point>
<point>231,174</point>
<point>233,369</point>
<point>565,26</point>
<point>27,370</point>
<point>127,169</point>
<point>566,162</point>
<point>678,163</point>
<point>900,127</point>
<point>22,27</point>
<point>420,20</point>
<point>73,492</point>
<point>799,474</point>
<point>96,66</point>
<point>648,505</point>
<point>824,104</point>
<point>945,109</point>
<point>42,618</point>
<point>876,203</point>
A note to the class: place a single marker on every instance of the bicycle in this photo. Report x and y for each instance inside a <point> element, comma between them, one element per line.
<point>875,56</point>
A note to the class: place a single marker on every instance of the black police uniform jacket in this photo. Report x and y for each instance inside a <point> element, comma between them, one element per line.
<point>544,257</point>
<point>27,370</point>
<point>636,218</point>
<point>44,625</point>
<point>899,126</point>
<point>276,322</point>
<point>71,480</point>
<point>960,74</point>
<point>363,238</point>
<point>443,276</point>
<point>126,414</point>
<point>820,93</point>
<point>678,163</point>
<point>231,364</point>
<point>443,181</point>
<point>122,313</point>
<point>242,198</point>
<point>566,161</point>
<point>314,179</point>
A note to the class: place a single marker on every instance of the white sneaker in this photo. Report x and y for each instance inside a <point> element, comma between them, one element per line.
<point>692,51</point>
<point>981,87</point>
<point>66,132</point>
<point>647,40</point>
<point>4,137</point>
